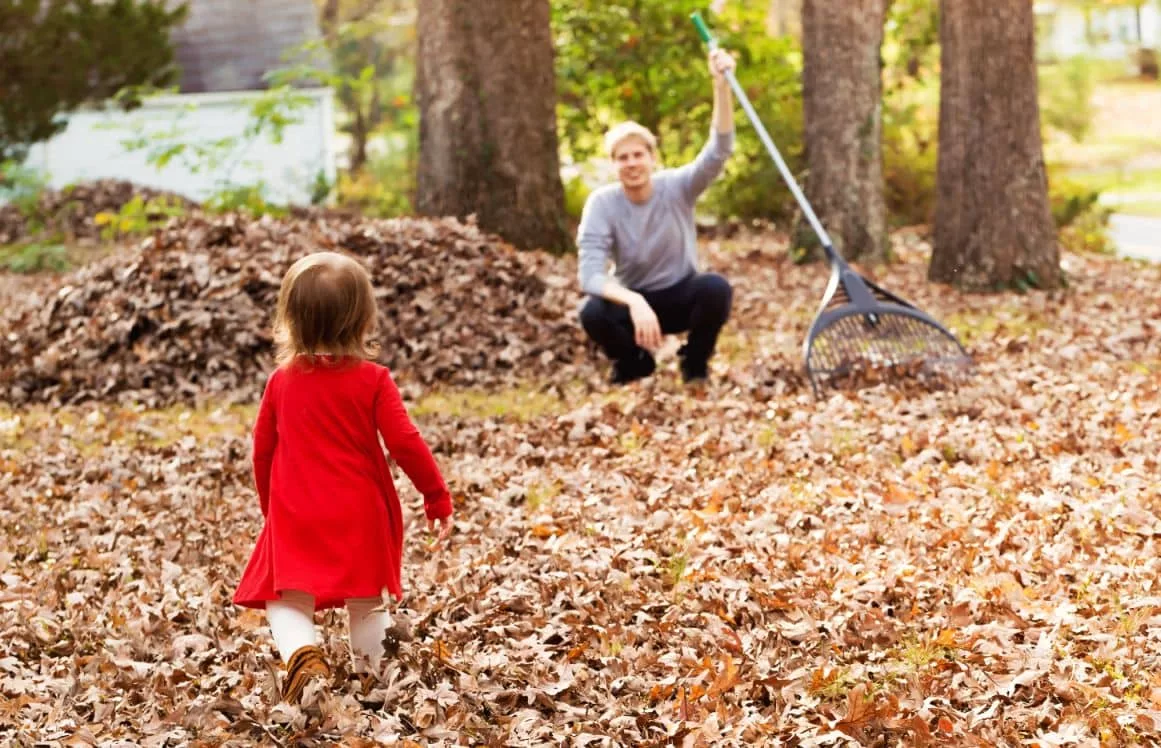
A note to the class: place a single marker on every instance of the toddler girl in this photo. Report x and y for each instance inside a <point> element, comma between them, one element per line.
<point>333,531</point>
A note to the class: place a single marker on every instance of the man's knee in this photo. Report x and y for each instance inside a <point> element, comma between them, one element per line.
<point>714,291</point>
<point>594,314</point>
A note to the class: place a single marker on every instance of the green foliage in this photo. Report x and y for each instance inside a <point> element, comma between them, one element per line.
<point>910,154</point>
<point>1088,232</point>
<point>136,217</point>
<point>1066,90</point>
<point>34,257</point>
<point>1071,198</point>
<point>910,44</point>
<point>385,187</point>
<point>21,187</point>
<point>643,61</point>
<point>1081,220</point>
<point>270,113</point>
<point>321,188</point>
<point>249,198</point>
<point>369,51</point>
<point>58,55</point>
<point>576,192</point>
<point>911,110</point>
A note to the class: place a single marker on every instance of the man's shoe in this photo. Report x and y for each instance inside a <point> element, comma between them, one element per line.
<point>630,370</point>
<point>692,372</point>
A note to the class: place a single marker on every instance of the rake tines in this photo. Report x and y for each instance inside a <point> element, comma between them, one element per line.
<point>849,345</point>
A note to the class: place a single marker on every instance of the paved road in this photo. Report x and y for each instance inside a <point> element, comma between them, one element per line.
<point>1136,236</point>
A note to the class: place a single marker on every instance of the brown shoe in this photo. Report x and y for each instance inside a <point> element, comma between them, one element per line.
<point>306,663</point>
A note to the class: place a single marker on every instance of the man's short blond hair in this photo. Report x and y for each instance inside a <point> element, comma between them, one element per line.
<point>622,132</point>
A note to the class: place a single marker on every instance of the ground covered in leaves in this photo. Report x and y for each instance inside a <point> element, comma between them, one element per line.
<point>747,565</point>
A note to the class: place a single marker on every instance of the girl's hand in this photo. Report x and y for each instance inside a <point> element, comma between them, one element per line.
<point>445,531</point>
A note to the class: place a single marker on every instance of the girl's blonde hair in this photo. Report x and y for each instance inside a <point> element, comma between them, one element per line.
<point>325,306</point>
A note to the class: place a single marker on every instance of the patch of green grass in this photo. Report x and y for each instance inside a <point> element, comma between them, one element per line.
<point>630,442</point>
<point>675,568</point>
<point>1146,208</point>
<point>1122,180</point>
<point>94,428</point>
<point>971,327</point>
<point>833,684</point>
<point>1101,152</point>
<point>540,495</point>
<point>521,404</point>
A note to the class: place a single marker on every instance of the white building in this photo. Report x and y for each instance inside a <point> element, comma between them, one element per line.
<point>1114,33</point>
<point>224,48</point>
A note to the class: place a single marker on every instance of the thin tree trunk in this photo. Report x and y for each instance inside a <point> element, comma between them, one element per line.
<point>487,137</point>
<point>993,225</point>
<point>842,110</point>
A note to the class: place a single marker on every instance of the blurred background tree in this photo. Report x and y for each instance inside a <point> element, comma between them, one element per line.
<point>58,55</point>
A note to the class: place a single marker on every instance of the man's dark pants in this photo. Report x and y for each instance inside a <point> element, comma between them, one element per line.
<point>699,304</point>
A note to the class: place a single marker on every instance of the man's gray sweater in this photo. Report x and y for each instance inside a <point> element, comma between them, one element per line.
<point>653,244</point>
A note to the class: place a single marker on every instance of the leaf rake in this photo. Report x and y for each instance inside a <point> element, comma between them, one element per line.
<point>861,333</point>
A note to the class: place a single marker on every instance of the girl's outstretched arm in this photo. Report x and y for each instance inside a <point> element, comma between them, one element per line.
<point>409,450</point>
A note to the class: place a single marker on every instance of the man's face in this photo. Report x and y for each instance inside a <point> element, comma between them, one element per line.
<point>635,162</point>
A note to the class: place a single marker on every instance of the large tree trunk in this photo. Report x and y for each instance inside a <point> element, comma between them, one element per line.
<point>487,135</point>
<point>993,225</point>
<point>842,111</point>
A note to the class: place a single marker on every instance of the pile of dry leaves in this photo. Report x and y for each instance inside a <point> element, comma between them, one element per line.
<point>973,565</point>
<point>71,213</point>
<point>187,313</point>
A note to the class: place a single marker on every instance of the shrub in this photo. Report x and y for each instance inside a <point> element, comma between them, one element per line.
<point>1081,220</point>
<point>1066,97</point>
<point>34,257</point>
<point>249,199</point>
<point>138,216</point>
<point>385,187</point>
<point>910,161</point>
<point>576,191</point>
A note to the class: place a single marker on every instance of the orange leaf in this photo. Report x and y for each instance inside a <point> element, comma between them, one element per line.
<point>947,638</point>
<point>897,494</point>
<point>860,711</point>
<point>993,470</point>
<point>945,725</point>
<point>726,679</point>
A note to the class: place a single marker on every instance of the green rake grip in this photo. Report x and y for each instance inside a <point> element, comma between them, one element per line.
<point>703,30</point>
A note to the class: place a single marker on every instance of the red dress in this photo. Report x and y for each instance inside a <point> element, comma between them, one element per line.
<point>334,527</point>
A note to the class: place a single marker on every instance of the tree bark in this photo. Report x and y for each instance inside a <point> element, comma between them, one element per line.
<point>486,90</point>
<point>842,111</point>
<point>993,224</point>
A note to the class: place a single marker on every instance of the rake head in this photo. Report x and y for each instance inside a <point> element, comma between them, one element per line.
<point>879,339</point>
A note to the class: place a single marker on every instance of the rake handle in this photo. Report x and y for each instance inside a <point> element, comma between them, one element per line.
<point>708,38</point>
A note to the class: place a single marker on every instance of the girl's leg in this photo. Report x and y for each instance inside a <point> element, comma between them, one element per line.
<point>368,627</point>
<point>292,625</point>
<point>291,622</point>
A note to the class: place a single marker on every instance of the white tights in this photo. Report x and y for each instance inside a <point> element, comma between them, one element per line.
<point>291,622</point>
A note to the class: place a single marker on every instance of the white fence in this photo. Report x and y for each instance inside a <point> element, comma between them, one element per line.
<point>93,146</point>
